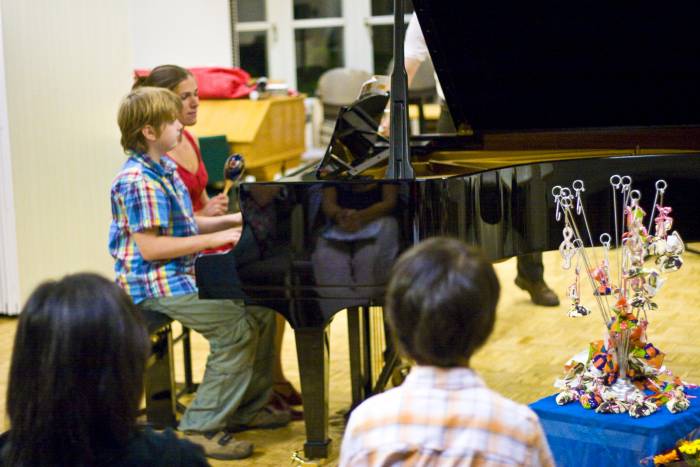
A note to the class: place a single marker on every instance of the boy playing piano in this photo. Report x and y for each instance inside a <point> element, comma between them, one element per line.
<point>154,236</point>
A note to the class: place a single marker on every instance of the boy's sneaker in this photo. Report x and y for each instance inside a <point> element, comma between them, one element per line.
<point>221,445</point>
<point>267,417</point>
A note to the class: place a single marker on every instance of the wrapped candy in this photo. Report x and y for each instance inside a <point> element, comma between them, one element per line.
<point>638,300</point>
<point>577,311</point>
<point>653,283</point>
<point>677,402</point>
<point>663,221</point>
<point>590,400</point>
<point>642,408</point>
<point>602,280</point>
<point>674,244</point>
<point>567,396</point>
<point>611,406</point>
<point>670,263</point>
<point>657,246</point>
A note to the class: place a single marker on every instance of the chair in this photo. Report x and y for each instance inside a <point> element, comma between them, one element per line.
<point>160,388</point>
<point>338,87</point>
<point>215,150</point>
<point>422,90</point>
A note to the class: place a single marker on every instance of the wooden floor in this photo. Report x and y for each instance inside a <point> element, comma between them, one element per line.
<point>521,360</point>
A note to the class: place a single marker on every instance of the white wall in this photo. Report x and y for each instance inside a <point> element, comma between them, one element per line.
<point>9,273</point>
<point>67,64</point>
<point>188,33</point>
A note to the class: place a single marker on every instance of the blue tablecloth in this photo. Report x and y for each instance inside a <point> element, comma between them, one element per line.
<point>580,437</point>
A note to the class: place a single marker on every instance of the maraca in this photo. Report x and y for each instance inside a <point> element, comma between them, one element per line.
<point>233,170</point>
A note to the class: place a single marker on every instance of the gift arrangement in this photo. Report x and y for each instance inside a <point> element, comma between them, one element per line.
<point>624,371</point>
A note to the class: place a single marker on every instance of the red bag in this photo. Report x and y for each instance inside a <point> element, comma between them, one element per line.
<point>222,83</point>
<point>217,83</point>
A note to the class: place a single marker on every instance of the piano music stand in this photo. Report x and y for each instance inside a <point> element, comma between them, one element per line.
<point>356,145</point>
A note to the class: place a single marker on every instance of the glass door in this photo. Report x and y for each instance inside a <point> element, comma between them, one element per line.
<point>254,34</point>
<point>297,40</point>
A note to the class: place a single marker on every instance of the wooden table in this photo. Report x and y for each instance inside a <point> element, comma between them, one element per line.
<point>269,133</point>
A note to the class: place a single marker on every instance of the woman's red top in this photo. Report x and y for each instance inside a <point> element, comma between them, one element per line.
<point>195,182</point>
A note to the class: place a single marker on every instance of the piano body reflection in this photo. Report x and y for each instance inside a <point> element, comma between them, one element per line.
<point>552,96</point>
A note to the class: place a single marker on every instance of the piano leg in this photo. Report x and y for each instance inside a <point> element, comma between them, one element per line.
<point>312,354</point>
<point>360,364</point>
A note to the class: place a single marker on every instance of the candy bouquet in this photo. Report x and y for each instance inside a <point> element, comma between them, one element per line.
<point>623,372</point>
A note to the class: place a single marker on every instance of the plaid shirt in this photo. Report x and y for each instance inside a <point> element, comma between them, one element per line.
<point>148,195</point>
<point>445,417</point>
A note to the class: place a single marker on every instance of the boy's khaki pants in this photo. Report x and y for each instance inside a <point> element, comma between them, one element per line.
<point>237,382</point>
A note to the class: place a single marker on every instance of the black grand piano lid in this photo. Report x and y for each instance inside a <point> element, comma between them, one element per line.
<point>518,66</point>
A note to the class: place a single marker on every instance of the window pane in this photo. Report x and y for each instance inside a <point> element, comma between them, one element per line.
<point>383,44</point>
<point>304,9</point>
<point>253,49</point>
<point>386,7</point>
<point>317,50</point>
<point>251,10</point>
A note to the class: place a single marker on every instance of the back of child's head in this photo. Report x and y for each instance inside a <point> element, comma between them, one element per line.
<point>441,302</point>
<point>76,377</point>
<point>163,76</point>
<point>145,106</point>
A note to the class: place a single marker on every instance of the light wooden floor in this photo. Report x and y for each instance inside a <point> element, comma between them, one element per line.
<point>521,360</point>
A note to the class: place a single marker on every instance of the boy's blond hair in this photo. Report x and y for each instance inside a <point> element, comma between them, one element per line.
<point>145,106</point>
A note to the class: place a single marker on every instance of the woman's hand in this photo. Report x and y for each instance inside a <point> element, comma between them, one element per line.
<point>216,206</point>
<point>349,220</point>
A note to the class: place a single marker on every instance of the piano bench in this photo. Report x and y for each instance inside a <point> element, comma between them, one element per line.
<point>161,394</point>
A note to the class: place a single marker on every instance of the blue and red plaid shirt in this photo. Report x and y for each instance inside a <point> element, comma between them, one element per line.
<point>147,195</point>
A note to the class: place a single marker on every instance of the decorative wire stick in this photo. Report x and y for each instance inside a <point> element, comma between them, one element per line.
<point>578,243</point>
<point>578,189</point>
<point>615,183</point>
<point>626,182</point>
<point>633,198</point>
<point>556,192</point>
<point>653,208</point>
<point>605,241</point>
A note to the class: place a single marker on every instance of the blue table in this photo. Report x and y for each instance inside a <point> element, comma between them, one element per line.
<point>580,437</point>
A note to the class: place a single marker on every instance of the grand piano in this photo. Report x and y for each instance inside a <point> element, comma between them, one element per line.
<point>541,95</point>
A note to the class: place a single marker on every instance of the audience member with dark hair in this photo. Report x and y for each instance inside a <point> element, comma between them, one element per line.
<point>76,381</point>
<point>441,307</point>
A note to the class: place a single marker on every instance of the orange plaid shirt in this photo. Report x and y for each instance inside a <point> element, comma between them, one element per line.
<point>445,417</point>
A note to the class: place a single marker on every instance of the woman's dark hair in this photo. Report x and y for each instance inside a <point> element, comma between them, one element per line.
<point>163,76</point>
<point>441,302</point>
<point>76,376</point>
